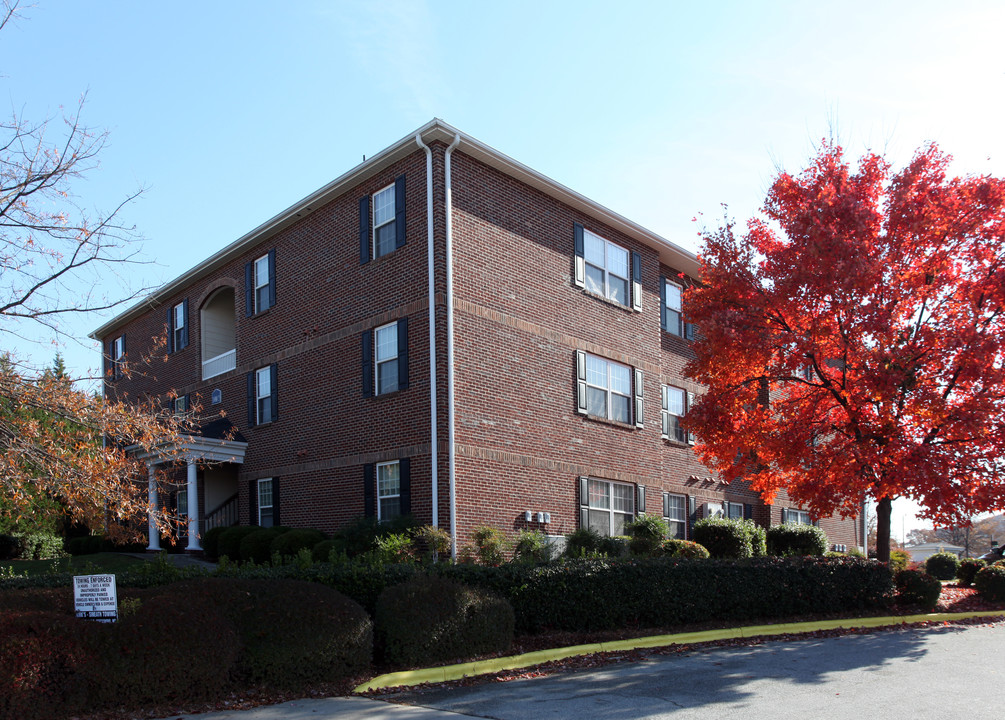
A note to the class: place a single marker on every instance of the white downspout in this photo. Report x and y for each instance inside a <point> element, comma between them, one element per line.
<point>450,347</point>
<point>432,329</point>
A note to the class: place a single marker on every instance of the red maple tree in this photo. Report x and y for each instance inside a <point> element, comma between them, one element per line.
<point>852,340</point>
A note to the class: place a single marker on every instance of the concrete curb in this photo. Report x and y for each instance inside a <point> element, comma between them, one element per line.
<point>460,671</point>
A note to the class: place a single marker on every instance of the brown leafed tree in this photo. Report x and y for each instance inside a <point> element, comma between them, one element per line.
<point>56,441</point>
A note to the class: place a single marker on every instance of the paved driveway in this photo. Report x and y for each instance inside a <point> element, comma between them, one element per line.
<point>904,674</point>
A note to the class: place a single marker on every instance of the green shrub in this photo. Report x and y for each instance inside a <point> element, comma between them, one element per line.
<point>430,543</point>
<point>38,546</point>
<point>725,538</point>
<point>647,533</point>
<point>582,542</point>
<point>899,560</point>
<point>968,570</point>
<point>531,546</point>
<point>359,535</point>
<point>290,543</point>
<point>490,545</point>
<point>229,543</point>
<point>785,540</point>
<point>326,550</point>
<point>434,620</point>
<point>674,547</point>
<point>256,546</point>
<point>942,565</point>
<point>990,581</point>
<point>211,542</point>
<point>389,549</point>
<point>915,587</point>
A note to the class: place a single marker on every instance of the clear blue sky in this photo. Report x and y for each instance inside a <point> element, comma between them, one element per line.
<point>228,112</point>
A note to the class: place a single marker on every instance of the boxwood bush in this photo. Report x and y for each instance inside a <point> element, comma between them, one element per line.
<point>942,565</point>
<point>915,587</point>
<point>229,544</point>
<point>431,620</point>
<point>211,542</point>
<point>673,547</point>
<point>290,543</point>
<point>990,581</point>
<point>725,538</point>
<point>785,540</point>
<point>968,570</point>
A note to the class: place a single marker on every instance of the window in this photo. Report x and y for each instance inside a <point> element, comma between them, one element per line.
<point>608,389</point>
<point>260,284</point>
<point>606,506</point>
<point>181,404</point>
<point>675,513</point>
<point>796,517</point>
<point>382,221</point>
<point>385,358</point>
<point>607,270</point>
<point>177,327</point>
<point>734,511</point>
<point>671,313</point>
<point>676,403</point>
<point>118,355</point>
<point>388,490</point>
<point>263,395</point>
<point>265,503</point>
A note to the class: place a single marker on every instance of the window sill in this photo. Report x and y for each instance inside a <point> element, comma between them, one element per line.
<point>607,421</point>
<point>260,313</point>
<point>607,300</point>
<point>676,443</point>
<point>389,393</point>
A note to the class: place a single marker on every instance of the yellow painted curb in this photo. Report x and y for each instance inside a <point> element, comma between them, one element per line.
<point>460,671</point>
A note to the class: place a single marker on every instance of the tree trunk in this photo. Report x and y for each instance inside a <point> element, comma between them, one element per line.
<point>884,509</point>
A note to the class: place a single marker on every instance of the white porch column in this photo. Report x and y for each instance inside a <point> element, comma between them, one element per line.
<point>153,535</point>
<point>193,507</point>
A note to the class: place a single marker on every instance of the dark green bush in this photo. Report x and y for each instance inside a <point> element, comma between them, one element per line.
<point>968,570</point>
<point>432,620</point>
<point>37,546</point>
<point>942,565</point>
<point>256,547</point>
<point>785,540</point>
<point>725,538</point>
<point>915,587</point>
<point>229,544</point>
<point>290,543</point>
<point>582,542</point>
<point>211,542</point>
<point>359,535</point>
<point>684,549</point>
<point>10,547</point>
<point>990,581</point>
<point>531,546</point>
<point>322,552</point>
<point>647,533</point>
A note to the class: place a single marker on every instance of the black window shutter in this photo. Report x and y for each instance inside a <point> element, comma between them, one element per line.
<point>690,403</point>
<point>253,502</point>
<point>748,512</point>
<point>251,399</point>
<point>663,303</point>
<point>367,342</point>
<point>405,486</point>
<point>249,290</point>
<point>170,331</point>
<point>639,403</point>
<point>275,502</point>
<point>665,412</point>
<point>666,505</point>
<point>584,502</point>
<point>369,491</point>
<point>403,353</point>
<point>274,397</point>
<point>581,382</point>
<point>122,360</point>
<point>184,328</point>
<point>399,212</point>
<point>636,281</point>
<point>272,277</point>
<point>364,230</point>
<point>580,259</point>
<point>640,493</point>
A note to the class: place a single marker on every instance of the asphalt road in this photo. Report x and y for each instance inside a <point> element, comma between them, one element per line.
<point>903,674</point>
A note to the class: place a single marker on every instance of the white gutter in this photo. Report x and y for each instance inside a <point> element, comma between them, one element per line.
<point>432,327</point>
<point>448,207</point>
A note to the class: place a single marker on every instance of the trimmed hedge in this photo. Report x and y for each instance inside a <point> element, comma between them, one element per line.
<point>915,587</point>
<point>785,540</point>
<point>430,620</point>
<point>290,543</point>
<point>229,544</point>
<point>725,538</point>
<point>968,569</point>
<point>990,581</point>
<point>673,547</point>
<point>942,566</point>
<point>211,542</point>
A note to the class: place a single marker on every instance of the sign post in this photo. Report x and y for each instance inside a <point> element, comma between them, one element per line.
<point>94,597</point>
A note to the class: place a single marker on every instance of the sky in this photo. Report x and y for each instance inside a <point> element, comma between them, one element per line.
<point>225,113</point>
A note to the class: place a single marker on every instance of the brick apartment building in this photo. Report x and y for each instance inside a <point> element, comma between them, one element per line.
<point>542,391</point>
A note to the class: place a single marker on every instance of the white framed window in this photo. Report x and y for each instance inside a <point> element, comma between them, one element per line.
<point>675,513</point>
<point>796,517</point>
<point>178,332</point>
<point>265,503</point>
<point>734,511</point>
<point>388,490</point>
<point>608,268</point>
<point>672,300</point>
<point>263,395</point>
<point>118,355</point>
<point>675,404</point>
<point>261,270</point>
<point>609,505</point>
<point>386,358</point>
<point>608,389</point>
<point>383,221</point>
<point>181,404</point>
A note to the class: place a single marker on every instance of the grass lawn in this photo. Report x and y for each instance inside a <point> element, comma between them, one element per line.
<point>78,564</point>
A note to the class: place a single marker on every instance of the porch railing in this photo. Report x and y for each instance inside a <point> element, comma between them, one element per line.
<point>219,364</point>
<point>224,515</point>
